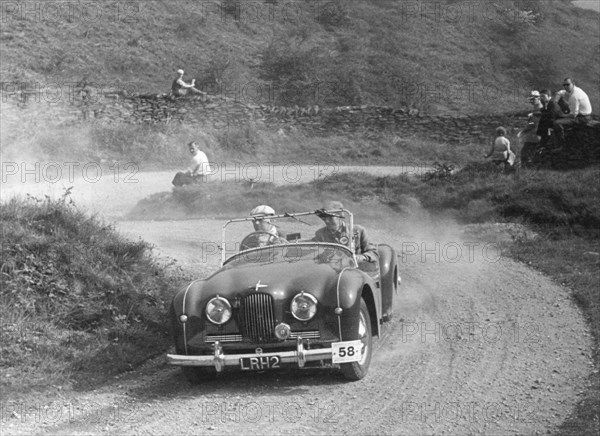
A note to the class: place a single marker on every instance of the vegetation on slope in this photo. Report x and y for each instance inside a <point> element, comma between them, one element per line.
<point>438,56</point>
<point>78,301</point>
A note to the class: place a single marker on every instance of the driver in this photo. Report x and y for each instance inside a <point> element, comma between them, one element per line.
<point>335,231</point>
<point>263,224</point>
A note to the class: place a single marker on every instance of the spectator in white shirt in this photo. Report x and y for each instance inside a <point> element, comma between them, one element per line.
<point>579,106</point>
<point>200,165</point>
<point>180,88</point>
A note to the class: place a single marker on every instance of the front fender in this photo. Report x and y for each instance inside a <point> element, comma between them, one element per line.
<point>352,287</point>
<point>188,298</point>
<point>186,301</point>
<point>349,288</point>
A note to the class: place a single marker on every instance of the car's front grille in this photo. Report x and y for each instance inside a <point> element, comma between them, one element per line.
<point>257,320</point>
<point>224,338</point>
<point>310,334</point>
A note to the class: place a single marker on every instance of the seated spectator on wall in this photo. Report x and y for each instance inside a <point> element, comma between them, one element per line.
<point>550,112</point>
<point>580,109</point>
<point>179,88</point>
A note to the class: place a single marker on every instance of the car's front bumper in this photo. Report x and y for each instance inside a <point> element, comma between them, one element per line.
<point>219,360</point>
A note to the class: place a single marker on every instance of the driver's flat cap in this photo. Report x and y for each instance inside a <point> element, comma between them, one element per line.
<point>331,205</point>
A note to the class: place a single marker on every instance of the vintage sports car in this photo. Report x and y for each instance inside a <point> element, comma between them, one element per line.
<point>278,303</point>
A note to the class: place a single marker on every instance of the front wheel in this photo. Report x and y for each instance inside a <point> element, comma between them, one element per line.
<point>357,370</point>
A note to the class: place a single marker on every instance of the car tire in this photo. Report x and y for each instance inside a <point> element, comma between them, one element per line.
<point>196,375</point>
<point>358,370</point>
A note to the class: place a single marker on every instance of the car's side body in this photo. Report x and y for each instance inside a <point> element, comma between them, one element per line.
<point>267,327</point>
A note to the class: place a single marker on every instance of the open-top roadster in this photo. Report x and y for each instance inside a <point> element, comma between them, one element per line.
<point>284,302</point>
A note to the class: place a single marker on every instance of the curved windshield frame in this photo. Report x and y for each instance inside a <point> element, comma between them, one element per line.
<point>300,217</point>
<point>313,252</point>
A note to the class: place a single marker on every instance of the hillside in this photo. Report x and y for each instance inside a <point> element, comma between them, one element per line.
<point>439,56</point>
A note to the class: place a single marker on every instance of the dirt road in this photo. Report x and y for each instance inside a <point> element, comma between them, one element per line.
<point>113,190</point>
<point>479,345</point>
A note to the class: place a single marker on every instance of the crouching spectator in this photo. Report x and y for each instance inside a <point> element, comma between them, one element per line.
<point>500,152</point>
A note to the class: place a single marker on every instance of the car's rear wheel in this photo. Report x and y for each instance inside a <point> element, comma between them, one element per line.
<point>357,370</point>
<point>197,374</point>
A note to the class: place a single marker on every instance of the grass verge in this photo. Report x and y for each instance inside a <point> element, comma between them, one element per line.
<point>78,301</point>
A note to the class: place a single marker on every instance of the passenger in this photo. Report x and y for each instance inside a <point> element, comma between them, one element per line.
<point>336,231</point>
<point>265,232</point>
<point>579,106</point>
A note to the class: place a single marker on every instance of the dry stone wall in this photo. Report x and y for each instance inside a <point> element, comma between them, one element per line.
<point>218,112</point>
<point>223,113</point>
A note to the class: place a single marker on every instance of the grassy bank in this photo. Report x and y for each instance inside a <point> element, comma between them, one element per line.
<point>78,301</point>
<point>442,56</point>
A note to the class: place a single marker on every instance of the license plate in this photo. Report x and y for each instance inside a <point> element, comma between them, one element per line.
<point>344,352</point>
<point>259,362</point>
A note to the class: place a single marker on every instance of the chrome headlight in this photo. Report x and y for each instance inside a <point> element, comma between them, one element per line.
<point>304,306</point>
<point>218,310</point>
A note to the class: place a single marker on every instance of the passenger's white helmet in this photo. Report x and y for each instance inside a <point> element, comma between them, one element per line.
<point>262,210</point>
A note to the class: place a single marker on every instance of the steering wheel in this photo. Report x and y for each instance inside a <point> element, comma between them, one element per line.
<point>260,239</point>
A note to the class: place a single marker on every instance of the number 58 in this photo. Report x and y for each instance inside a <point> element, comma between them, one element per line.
<point>347,351</point>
